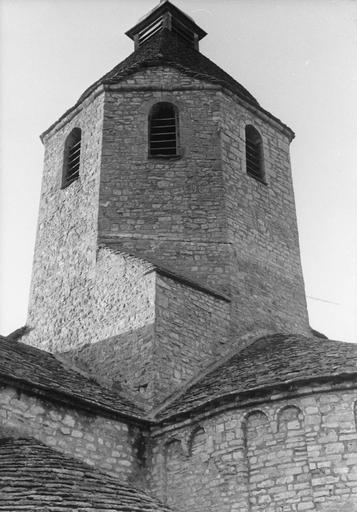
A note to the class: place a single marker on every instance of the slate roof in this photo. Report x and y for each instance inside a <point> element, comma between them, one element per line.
<point>271,361</point>
<point>165,48</point>
<point>34,477</point>
<point>42,372</point>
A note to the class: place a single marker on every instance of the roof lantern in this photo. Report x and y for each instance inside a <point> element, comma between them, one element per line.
<point>166,16</point>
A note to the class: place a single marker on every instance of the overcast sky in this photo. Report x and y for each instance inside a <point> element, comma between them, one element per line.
<point>297,57</point>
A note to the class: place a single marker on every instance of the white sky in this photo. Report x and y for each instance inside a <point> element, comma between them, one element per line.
<point>297,57</point>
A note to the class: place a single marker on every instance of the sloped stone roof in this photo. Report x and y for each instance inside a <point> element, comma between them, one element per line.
<point>165,48</point>
<point>34,477</point>
<point>270,362</point>
<point>40,371</point>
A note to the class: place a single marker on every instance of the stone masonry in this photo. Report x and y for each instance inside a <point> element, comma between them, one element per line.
<point>293,454</point>
<point>167,305</point>
<point>96,440</point>
<point>199,215</point>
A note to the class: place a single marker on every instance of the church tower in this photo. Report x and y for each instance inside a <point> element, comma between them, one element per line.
<point>167,231</point>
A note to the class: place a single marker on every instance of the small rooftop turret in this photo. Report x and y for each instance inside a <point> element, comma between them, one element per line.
<point>166,16</point>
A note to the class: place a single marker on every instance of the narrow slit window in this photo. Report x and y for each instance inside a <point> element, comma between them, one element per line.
<point>254,153</point>
<point>163,130</point>
<point>72,157</point>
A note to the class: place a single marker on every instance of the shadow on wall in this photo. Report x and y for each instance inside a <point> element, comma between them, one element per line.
<point>121,362</point>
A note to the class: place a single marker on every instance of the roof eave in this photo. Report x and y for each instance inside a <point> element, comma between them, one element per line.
<point>62,397</point>
<point>260,391</point>
<point>105,85</point>
<point>160,9</point>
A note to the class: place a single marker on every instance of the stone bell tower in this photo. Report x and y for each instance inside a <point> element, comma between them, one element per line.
<point>167,230</point>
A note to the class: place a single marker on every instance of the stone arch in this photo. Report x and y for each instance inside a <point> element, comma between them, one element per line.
<point>193,478</point>
<point>277,461</point>
<point>292,464</point>
<point>254,425</point>
<point>290,416</point>
<point>173,460</point>
<point>197,441</point>
<point>172,446</point>
<point>259,449</point>
<point>165,97</point>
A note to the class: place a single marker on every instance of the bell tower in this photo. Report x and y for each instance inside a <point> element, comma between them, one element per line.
<point>167,229</point>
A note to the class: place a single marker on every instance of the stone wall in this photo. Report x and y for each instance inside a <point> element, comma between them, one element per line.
<point>99,441</point>
<point>266,276</point>
<point>199,215</point>
<point>65,251</point>
<point>94,303</point>
<point>191,330</point>
<point>81,293</point>
<point>188,330</point>
<point>114,342</point>
<point>145,333</point>
<point>169,210</point>
<point>110,333</point>
<point>290,455</point>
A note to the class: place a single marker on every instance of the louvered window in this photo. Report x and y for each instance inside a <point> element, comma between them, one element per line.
<point>254,153</point>
<point>163,130</point>
<point>184,32</point>
<point>150,30</point>
<point>72,157</point>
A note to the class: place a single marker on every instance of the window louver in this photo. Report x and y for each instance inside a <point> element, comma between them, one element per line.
<point>163,130</point>
<point>183,32</point>
<point>254,153</point>
<point>72,157</point>
<point>150,30</point>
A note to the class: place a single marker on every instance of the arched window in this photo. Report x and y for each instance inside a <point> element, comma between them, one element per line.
<point>163,130</point>
<point>254,153</point>
<point>72,157</point>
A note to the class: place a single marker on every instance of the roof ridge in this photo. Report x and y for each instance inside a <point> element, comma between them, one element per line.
<point>272,360</point>
<point>165,48</point>
<point>251,339</point>
<point>27,372</point>
<point>155,266</point>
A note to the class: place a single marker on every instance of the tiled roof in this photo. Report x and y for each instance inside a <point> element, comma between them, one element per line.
<point>41,371</point>
<point>269,362</point>
<point>165,48</point>
<point>34,477</point>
